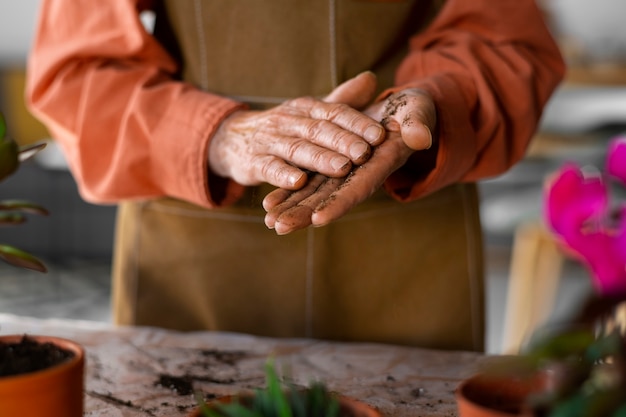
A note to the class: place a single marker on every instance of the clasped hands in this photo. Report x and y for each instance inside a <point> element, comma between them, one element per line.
<point>325,156</point>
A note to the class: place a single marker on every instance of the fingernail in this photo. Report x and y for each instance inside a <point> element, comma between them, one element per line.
<point>359,150</point>
<point>294,179</point>
<point>373,133</point>
<point>430,137</point>
<point>339,163</point>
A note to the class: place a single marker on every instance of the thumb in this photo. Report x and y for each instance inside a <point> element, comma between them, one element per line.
<point>411,113</point>
<point>357,92</point>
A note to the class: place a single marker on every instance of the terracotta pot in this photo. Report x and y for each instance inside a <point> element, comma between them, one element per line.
<point>56,391</point>
<point>494,396</point>
<point>348,407</point>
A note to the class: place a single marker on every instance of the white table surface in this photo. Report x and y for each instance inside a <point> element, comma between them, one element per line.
<point>126,364</point>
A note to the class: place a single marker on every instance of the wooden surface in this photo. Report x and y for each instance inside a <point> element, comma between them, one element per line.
<point>136,371</point>
<point>598,74</point>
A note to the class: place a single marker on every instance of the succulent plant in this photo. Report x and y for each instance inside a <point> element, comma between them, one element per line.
<point>277,400</point>
<point>14,212</point>
<point>587,362</point>
<point>581,361</point>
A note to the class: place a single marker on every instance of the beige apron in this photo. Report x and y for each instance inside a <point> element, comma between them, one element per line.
<point>405,273</point>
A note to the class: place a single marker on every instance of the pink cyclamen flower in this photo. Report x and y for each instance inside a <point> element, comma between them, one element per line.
<point>578,210</point>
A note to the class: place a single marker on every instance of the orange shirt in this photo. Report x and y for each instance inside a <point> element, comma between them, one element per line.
<point>105,89</point>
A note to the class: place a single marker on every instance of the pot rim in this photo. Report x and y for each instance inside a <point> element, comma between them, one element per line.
<point>468,405</point>
<point>77,360</point>
<point>363,408</point>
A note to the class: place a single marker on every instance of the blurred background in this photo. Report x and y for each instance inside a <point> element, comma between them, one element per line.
<point>529,279</point>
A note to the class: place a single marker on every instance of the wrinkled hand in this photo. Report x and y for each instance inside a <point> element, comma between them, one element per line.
<point>277,145</point>
<point>409,117</point>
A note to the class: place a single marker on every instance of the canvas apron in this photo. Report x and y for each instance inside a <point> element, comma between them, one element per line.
<point>405,273</point>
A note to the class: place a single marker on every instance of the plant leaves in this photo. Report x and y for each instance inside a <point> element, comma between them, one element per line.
<point>561,344</point>
<point>275,391</point>
<point>277,400</point>
<point>23,206</point>
<point>11,218</point>
<point>595,403</point>
<point>238,410</point>
<point>604,347</point>
<point>8,157</point>
<point>3,126</point>
<point>21,259</point>
<point>28,151</point>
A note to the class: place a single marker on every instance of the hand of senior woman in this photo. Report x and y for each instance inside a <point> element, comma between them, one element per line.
<point>277,145</point>
<point>409,117</point>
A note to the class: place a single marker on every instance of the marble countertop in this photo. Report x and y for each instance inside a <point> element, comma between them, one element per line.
<point>141,371</point>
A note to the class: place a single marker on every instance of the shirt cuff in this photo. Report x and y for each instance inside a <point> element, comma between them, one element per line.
<point>455,144</point>
<point>180,153</point>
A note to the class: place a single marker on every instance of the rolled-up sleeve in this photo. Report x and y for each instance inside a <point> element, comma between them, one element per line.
<point>490,66</point>
<point>106,90</point>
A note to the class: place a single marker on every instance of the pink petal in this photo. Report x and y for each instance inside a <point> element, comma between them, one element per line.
<point>571,200</point>
<point>616,158</point>
<point>576,208</point>
<point>606,265</point>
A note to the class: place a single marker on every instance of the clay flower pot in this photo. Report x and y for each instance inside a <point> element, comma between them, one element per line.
<point>495,396</point>
<point>54,391</point>
<point>348,407</point>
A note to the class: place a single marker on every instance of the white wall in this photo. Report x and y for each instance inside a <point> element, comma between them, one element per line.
<point>17,22</point>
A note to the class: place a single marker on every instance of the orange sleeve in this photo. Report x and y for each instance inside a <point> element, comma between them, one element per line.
<point>105,89</point>
<point>490,66</point>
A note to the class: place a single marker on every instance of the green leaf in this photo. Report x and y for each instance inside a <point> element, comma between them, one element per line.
<point>21,259</point>
<point>23,206</point>
<point>278,400</point>
<point>204,408</point>
<point>236,409</point>
<point>563,344</point>
<point>3,126</point>
<point>276,392</point>
<point>8,157</point>
<point>590,403</point>
<point>605,346</point>
<point>11,218</point>
<point>620,412</point>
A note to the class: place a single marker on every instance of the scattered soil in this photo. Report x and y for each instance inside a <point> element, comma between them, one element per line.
<point>391,108</point>
<point>183,384</point>
<point>28,355</point>
<point>226,357</point>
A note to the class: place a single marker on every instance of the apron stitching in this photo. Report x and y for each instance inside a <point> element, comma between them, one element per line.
<point>308,288</point>
<point>204,73</point>
<point>473,279</point>
<point>333,42</point>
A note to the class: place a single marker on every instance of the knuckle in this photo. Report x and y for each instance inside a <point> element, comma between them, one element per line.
<point>300,102</point>
<point>338,110</point>
<point>341,140</point>
<point>314,129</point>
<point>291,150</point>
<point>276,171</point>
<point>318,159</point>
<point>268,170</point>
